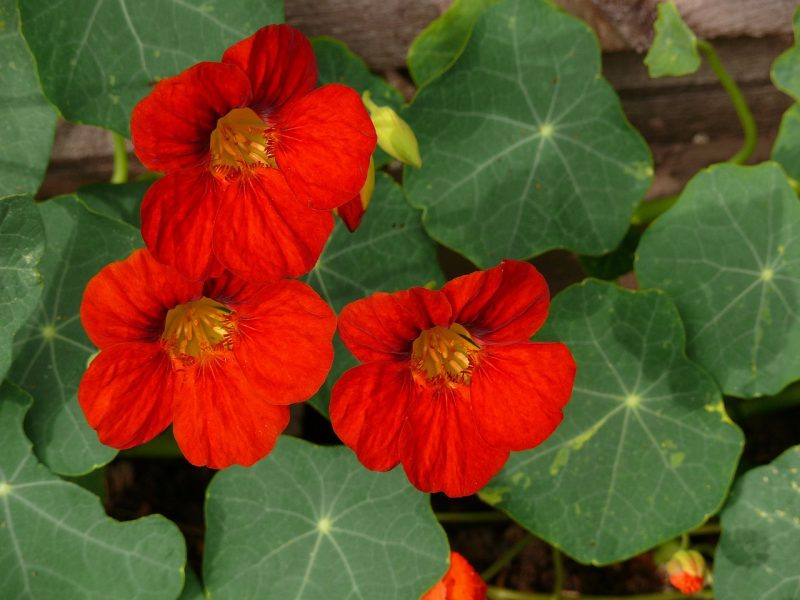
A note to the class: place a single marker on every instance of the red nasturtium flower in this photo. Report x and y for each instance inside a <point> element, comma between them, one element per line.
<point>219,359</point>
<point>461,582</point>
<point>255,159</point>
<point>451,382</point>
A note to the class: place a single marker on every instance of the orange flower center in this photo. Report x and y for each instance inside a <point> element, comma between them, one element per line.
<point>445,353</point>
<point>240,141</point>
<point>198,330</point>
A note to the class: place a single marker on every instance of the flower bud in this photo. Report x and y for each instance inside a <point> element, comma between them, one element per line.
<point>352,211</point>
<point>687,571</point>
<point>394,135</point>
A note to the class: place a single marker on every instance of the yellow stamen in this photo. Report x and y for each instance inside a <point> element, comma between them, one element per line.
<point>445,354</point>
<point>198,330</point>
<point>241,141</point>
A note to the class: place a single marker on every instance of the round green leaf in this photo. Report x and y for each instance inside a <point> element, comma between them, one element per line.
<point>56,540</point>
<point>51,356</point>
<point>757,554</point>
<point>336,63</point>
<point>524,146</point>
<point>728,253</point>
<point>122,201</point>
<point>786,68</point>
<point>674,49</point>
<point>27,120</point>
<point>388,252</point>
<point>97,59</point>
<point>786,149</point>
<point>645,451</point>
<point>442,42</point>
<point>311,522</point>
<point>21,249</point>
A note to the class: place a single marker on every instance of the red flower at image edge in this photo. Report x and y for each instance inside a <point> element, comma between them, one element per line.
<point>219,359</point>
<point>451,382</point>
<point>461,582</point>
<point>255,159</point>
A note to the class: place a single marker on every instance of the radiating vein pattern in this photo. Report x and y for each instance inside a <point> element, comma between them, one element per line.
<point>524,145</point>
<point>152,39</point>
<point>56,540</point>
<point>728,253</point>
<point>310,522</point>
<point>645,423</point>
<point>52,349</point>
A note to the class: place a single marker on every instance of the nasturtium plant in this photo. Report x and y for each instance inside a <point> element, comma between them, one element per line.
<point>728,254</point>
<point>525,147</point>
<point>760,542</point>
<point>786,150</point>
<point>310,522</point>
<point>71,43</point>
<point>51,356</point>
<point>121,201</point>
<point>57,542</point>
<point>441,42</point>
<point>21,249</point>
<point>674,49</point>
<point>27,120</point>
<point>388,252</point>
<point>786,68</point>
<point>646,450</point>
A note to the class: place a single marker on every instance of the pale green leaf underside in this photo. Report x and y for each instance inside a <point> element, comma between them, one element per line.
<point>51,351</point>
<point>757,554</point>
<point>56,540</point>
<point>729,255</point>
<point>674,49</point>
<point>21,249</point>
<point>310,522</point>
<point>645,451</point>
<point>388,252</point>
<point>786,149</point>
<point>98,58</point>
<point>786,68</point>
<point>27,120</point>
<point>524,146</point>
<point>441,42</point>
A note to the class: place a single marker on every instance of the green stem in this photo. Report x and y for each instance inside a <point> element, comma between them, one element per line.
<point>558,567</point>
<point>738,100</point>
<point>162,446</point>
<point>648,210</point>
<point>506,557</point>
<point>483,516</point>
<point>497,593</point>
<point>707,529</point>
<point>120,174</point>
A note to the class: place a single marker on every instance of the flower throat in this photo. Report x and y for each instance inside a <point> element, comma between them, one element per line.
<point>445,353</point>
<point>240,141</point>
<point>197,330</point>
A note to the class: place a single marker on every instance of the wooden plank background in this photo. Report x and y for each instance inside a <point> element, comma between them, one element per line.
<point>688,121</point>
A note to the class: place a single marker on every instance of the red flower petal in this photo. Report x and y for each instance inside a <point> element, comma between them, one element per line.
<point>368,406</point>
<point>280,64</point>
<point>351,213</point>
<point>171,127</point>
<point>221,419</point>
<point>519,391</point>
<point>178,214</point>
<point>127,393</point>
<point>115,309</point>
<point>324,144</point>
<point>284,341</point>
<point>461,582</point>
<point>507,303</point>
<point>441,449</point>
<point>383,326</point>
<point>262,233</point>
